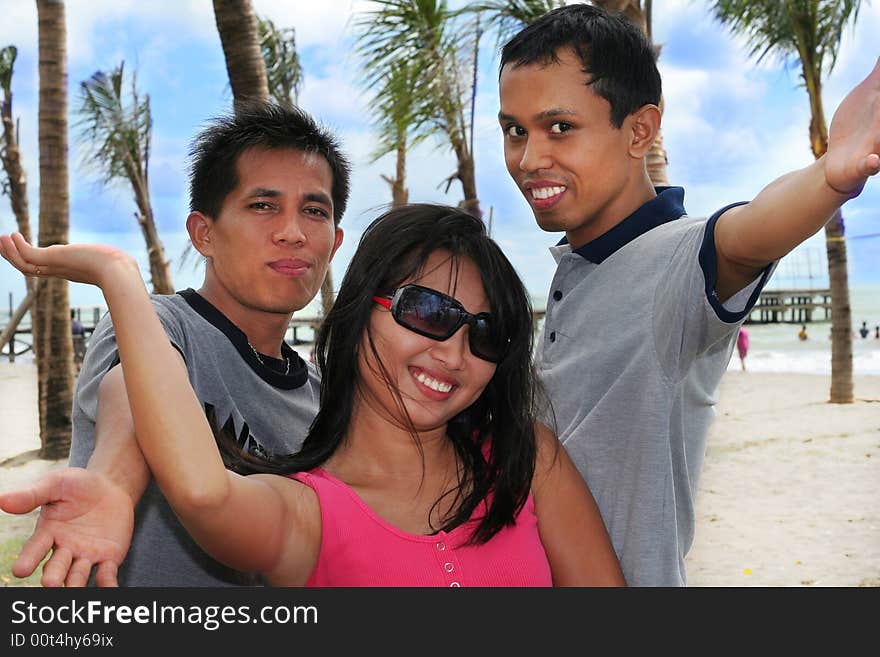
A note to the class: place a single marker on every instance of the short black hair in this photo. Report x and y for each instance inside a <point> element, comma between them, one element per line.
<point>217,148</point>
<point>616,54</point>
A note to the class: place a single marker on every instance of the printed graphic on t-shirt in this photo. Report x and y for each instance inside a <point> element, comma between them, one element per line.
<point>224,431</point>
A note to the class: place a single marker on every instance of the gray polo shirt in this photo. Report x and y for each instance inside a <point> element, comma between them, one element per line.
<point>267,408</point>
<point>633,347</point>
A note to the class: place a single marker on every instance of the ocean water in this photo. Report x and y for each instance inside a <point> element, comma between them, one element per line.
<point>776,347</point>
<point>772,347</point>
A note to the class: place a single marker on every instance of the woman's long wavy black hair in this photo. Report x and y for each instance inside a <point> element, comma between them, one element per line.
<point>494,438</point>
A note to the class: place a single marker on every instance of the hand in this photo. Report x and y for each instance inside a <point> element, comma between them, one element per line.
<point>80,263</point>
<point>854,137</point>
<point>85,520</point>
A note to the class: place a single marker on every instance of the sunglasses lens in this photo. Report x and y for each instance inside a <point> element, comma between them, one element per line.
<point>437,316</point>
<point>427,313</point>
<point>483,342</point>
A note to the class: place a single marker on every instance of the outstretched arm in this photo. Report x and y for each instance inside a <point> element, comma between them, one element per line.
<point>169,423</point>
<point>798,204</point>
<point>572,530</point>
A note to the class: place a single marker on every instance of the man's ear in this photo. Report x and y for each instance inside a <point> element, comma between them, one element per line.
<point>200,226</point>
<point>644,124</point>
<point>337,242</point>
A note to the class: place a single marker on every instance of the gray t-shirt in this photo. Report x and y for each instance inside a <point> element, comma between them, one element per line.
<point>266,409</point>
<point>632,351</point>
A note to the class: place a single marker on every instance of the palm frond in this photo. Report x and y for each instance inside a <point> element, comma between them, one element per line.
<point>789,29</point>
<point>7,64</point>
<point>507,17</point>
<point>283,68</point>
<point>115,134</point>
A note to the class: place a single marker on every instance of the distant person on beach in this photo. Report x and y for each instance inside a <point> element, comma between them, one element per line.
<point>76,327</point>
<point>645,304</point>
<point>802,334</point>
<point>877,332</point>
<point>742,346</point>
<point>78,334</point>
<point>864,331</point>
<point>268,188</point>
<point>425,465</point>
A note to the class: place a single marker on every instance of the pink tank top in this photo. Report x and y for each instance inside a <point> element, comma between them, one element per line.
<point>358,548</point>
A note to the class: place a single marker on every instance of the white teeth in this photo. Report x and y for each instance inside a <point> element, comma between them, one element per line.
<point>433,384</point>
<point>546,192</point>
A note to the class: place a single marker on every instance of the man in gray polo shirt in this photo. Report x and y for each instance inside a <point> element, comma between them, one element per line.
<point>645,303</point>
<point>268,188</point>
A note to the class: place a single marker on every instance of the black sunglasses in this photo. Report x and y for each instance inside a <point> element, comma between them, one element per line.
<point>438,316</point>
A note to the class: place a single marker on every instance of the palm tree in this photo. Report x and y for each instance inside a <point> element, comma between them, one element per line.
<point>426,35</point>
<point>237,26</point>
<point>283,70</point>
<point>116,137</point>
<point>16,179</point>
<point>399,123</point>
<point>54,346</point>
<point>811,31</point>
<point>507,17</point>
<point>15,184</point>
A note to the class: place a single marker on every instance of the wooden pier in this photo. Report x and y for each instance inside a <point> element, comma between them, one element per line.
<point>791,306</point>
<point>21,341</point>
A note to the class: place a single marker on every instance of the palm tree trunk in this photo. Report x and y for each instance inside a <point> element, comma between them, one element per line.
<point>237,26</point>
<point>835,248</point>
<point>841,313</point>
<point>11,156</point>
<point>399,192</point>
<point>160,275</point>
<point>55,364</point>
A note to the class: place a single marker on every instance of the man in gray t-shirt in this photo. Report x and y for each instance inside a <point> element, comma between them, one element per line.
<point>268,187</point>
<point>645,301</point>
<point>264,403</point>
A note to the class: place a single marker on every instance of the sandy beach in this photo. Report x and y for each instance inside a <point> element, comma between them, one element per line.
<point>788,495</point>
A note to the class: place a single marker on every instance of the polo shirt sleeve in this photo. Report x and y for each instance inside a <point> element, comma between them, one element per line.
<point>689,318</point>
<point>736,308</point>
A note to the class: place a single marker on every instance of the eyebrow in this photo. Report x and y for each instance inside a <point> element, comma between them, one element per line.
<point>265,192</point>
<point>540,116</point>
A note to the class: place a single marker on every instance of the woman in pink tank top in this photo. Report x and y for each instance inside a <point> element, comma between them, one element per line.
<point>425,465</point>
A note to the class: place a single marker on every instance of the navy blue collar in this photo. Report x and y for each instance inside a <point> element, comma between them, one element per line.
<point>666,206</point>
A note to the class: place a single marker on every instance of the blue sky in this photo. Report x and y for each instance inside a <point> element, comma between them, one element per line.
<point>730,126</point>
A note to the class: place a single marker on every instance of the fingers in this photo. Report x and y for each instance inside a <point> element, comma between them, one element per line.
<point>56,569</point>
<point>106,575</point>
<point>32,553</point>
<point>47,489</point>
<point>870,165</point>
<point>78,575</point>
<point>11,251</point>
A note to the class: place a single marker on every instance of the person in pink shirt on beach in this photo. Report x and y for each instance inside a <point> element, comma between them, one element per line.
<point>424,466</point>
<point>742,346</point>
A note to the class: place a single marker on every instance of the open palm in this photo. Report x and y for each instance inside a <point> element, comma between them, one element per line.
<point>80,263</point>
<point>85,520</point>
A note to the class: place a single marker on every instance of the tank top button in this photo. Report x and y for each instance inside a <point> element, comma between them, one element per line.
<point>440,546</point>
<point>448,567</point>
<point>454,585</point>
